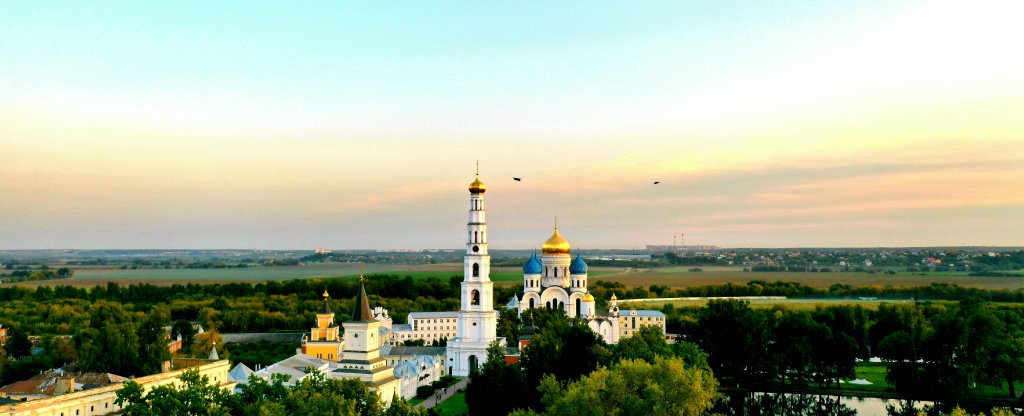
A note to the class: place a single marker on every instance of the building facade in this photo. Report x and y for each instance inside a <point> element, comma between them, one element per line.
<point>427,326</point>
<point>361,358</point>
<point>477,320</point>
<point>324,339</point>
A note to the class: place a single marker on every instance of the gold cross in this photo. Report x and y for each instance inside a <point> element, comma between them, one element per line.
<point>477,168</point>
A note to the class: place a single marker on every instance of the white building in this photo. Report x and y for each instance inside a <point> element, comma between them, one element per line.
<point>555,280</point>
<point>361,358</point>
<point>428,326</point>
<point>477,320</point>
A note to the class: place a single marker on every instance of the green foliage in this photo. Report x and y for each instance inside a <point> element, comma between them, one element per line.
<point>122,343</point>
<point>497,388</point>
<point>18,344</point>
<point>314,395</point>
<point>667,386</point>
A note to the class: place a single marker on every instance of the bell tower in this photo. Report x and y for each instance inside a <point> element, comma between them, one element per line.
<point>477,318</point>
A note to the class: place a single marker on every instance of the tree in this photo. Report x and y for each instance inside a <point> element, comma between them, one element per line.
<point>566,349</point>
<point>185,330</point>
<point>498,388</point>
<point>196,396</point>
<point>633,387</point>
<point>645,344</point>
<point>152,344</point>
<point>508,326</point>
<point>18,344</point>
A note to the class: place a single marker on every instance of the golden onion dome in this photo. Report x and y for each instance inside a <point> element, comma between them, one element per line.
<point>477,187</point>
<point>614,297</point>
<point>556,244</point>
<point>588,298</point>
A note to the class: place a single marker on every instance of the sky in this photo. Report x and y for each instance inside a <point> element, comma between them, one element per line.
<point>275,125</point>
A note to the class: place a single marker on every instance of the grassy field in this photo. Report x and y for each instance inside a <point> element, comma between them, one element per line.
<point>455,405</point>
<point>682,277</point>
<point>792,304</point>
<point>674,277</point>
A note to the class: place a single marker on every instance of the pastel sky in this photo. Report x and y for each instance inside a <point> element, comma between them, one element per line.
<point>299,125</point>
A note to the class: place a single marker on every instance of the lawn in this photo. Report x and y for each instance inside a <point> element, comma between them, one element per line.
<point>455,405</point>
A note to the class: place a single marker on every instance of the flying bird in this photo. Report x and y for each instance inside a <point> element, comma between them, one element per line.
<point>657,182</point>
<point>517,179</point>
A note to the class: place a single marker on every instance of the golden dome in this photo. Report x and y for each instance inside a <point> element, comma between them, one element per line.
<point>477,187</point>
<point>614,297</point>
<point>555,244</point>
<point>588,298</point>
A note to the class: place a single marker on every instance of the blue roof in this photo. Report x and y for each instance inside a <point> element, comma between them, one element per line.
<point>578,266</point>
<point>533,265</point>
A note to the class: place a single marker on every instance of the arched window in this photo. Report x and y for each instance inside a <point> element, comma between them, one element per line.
<point>531,303</point>
<point>578,313</point>
<point>556,272</point>
<point>547,304</point>
<point>476,236</point>
<point>474,298</point>
<point>476,269</point>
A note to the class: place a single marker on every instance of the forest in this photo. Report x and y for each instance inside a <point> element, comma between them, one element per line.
<point>932,347</point>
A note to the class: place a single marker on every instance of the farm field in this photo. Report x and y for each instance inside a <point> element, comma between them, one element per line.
<point>678,277</point>
<point>673,277</point>
<point>89,277</point>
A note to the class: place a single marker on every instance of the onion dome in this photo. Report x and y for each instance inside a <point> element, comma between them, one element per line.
<point>477,187</point>
<point>326,309</point>
<point>533,265</point>
<point>556,244</point>
<point>578,266</point>
<point>614,297</point>
<point>588,298</point>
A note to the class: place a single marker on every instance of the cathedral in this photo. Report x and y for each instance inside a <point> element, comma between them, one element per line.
<point>556,280</point>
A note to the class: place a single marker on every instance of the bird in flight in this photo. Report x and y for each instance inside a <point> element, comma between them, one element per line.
<point>517,179</point>
<point>657,182</point>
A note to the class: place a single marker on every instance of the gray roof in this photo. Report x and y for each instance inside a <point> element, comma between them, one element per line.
<point>401,327</point>
<point>240,374</point>
<point>428,315</point>
<point>263,336</point>
<point>642,312</point>
<point>404,350</point>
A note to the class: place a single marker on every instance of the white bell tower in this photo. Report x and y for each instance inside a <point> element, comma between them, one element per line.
<point>477,318</point>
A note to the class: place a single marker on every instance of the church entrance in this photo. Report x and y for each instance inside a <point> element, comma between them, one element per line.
<point>473,364</point>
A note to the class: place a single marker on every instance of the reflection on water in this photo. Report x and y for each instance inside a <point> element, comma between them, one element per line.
<point>785,404</point>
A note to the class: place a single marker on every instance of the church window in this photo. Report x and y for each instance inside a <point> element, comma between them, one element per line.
<point>476,237</point>
<point>531,303</point>
<point>548,304</point>
<point>475,298</point>
<point>476,249</point>
<point>556,272</point>
<point>476,269</point>
<point>578,307</point>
